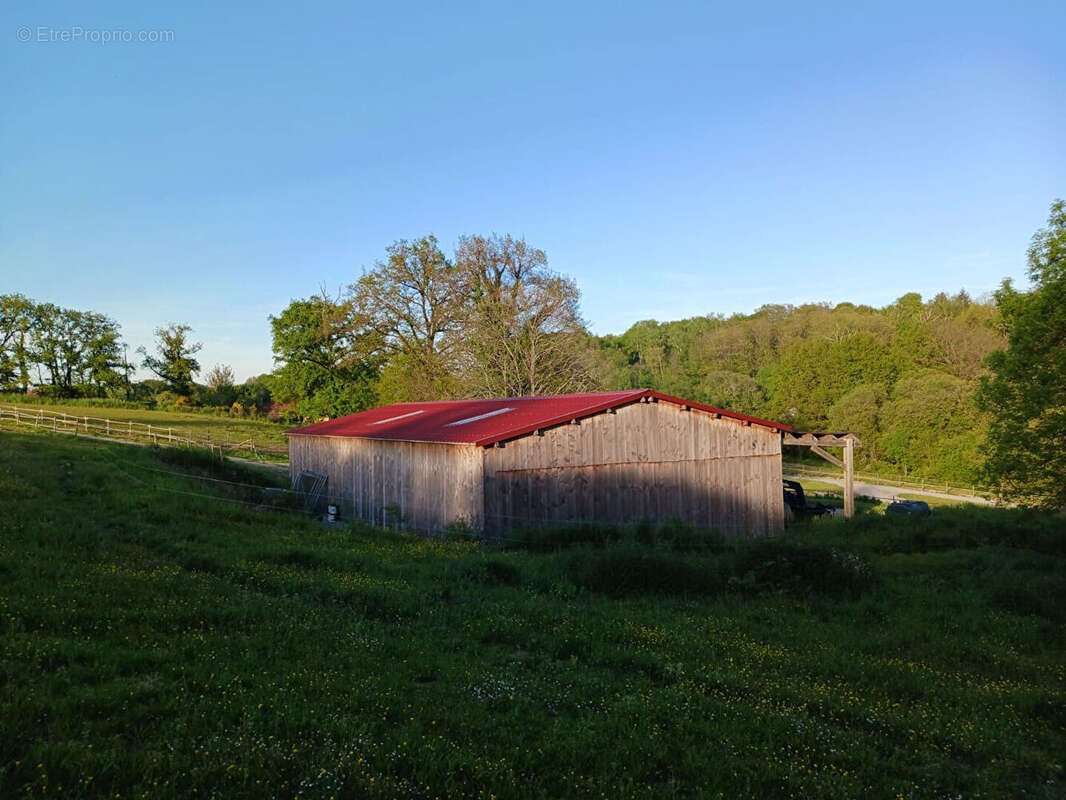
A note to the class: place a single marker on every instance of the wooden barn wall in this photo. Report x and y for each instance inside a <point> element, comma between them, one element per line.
<point>651,461</point>
<point>421,486</point>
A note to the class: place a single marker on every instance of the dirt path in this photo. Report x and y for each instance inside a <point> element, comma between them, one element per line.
<point>888,492</point>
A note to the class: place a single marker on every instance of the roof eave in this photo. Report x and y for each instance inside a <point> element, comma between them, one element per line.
<point>638,395</point>
<point>382,438</point>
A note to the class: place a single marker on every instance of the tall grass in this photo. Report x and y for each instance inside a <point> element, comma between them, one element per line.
<point>158,640</point>
<point>267,437</point>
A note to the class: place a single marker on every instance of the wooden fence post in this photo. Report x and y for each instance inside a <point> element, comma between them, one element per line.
<point>849,478</point>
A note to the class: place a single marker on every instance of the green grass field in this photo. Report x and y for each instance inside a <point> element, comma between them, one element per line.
<point>831,494</point>
<point>159,638</point>
<point>267,436</point>
<point>813,487</point>
<point>934,502</point>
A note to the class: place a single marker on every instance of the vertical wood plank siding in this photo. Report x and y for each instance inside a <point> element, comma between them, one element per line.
<point>418,485</point>
<point>650,461</point>
<point>646,461</point>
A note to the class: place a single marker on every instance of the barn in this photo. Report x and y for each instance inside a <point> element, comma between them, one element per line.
<point>503,464</point>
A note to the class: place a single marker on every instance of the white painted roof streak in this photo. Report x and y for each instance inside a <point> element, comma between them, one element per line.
<point>401,416</point>
<point>479,416</point>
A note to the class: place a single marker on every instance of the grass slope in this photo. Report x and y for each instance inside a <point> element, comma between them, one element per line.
<point>162,645</point>
<point>261,432</point>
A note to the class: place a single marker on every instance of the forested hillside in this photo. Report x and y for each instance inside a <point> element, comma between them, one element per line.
<point>493,319</point>
<point>903,377</point>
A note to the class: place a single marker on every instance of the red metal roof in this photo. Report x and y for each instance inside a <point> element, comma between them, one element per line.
<point>486,422</point>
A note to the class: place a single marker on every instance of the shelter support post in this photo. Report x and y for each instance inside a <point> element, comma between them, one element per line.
<point>817,442</point>
<point>849,479</point>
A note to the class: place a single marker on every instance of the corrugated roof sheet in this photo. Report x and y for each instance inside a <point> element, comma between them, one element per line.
<point>486,422</point>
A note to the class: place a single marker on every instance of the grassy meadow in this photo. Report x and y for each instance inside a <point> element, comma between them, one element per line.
<point>265,435</point>
<point>160,638</point>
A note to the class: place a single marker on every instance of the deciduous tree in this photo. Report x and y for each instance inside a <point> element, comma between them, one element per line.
<point>525,332</point>
<point>1026,391</point>
<point>417,301</point>
<point>328,357</point>
<point>76,352</point>
<point>219,376</point>
<point>174,362</point>
<point>16,317</point>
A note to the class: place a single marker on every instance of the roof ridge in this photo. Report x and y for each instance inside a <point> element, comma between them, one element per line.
<point>606,392</point>
<point>491,420</point>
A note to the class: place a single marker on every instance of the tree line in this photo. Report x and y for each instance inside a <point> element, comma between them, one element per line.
<point>70,351</point>
<point>927,384</point>
<point>63,353</point>
<point>904,378</point>
<point>952,387</point>
<point>492,319</point>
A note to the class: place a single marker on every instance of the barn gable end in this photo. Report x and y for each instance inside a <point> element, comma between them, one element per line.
<point>650,461</point>
<point>418,485</point>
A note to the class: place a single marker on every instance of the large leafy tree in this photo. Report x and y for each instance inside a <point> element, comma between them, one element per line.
<point>417,302</point>
<point>328,357</point>
<point>815,372</point>
<point>174,362</point>
<point>525,332</point>
<point>16,317</point>
<point>218,389</point>
<point>1026,391</point>
<point>76,352</point>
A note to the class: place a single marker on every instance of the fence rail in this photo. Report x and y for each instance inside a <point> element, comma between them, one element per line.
<point>128,430</point>
<point>870,477</point>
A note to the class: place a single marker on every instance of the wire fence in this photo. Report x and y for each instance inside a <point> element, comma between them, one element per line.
<point>920,485</point>
<point>128,430</point>
<point>298,506</point>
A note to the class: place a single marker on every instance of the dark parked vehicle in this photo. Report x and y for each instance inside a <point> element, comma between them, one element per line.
<point>796,502</point>
<point>914,508</point>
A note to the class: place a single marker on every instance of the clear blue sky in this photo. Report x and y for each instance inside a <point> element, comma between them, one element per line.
<point>675,159</point>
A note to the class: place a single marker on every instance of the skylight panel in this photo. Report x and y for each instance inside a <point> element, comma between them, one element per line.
<point>401,416</point>
<point>479,416</point>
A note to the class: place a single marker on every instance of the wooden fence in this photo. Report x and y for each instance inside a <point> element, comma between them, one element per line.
<point>919,485</point>
<point>128,430</point>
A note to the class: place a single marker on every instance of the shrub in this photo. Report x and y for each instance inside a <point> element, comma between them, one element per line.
<point>964,527</point>
<point>201,462</point>
<point>632,572</point>
<point>571,535</point>
<point>1041,595</point>
<point>17,398</point>
<point>777,565</point>
<point>490,572</point>
<point>671,535</point>
<point>748,568</point>
<point>683,537</point>
<point>460,529</point>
